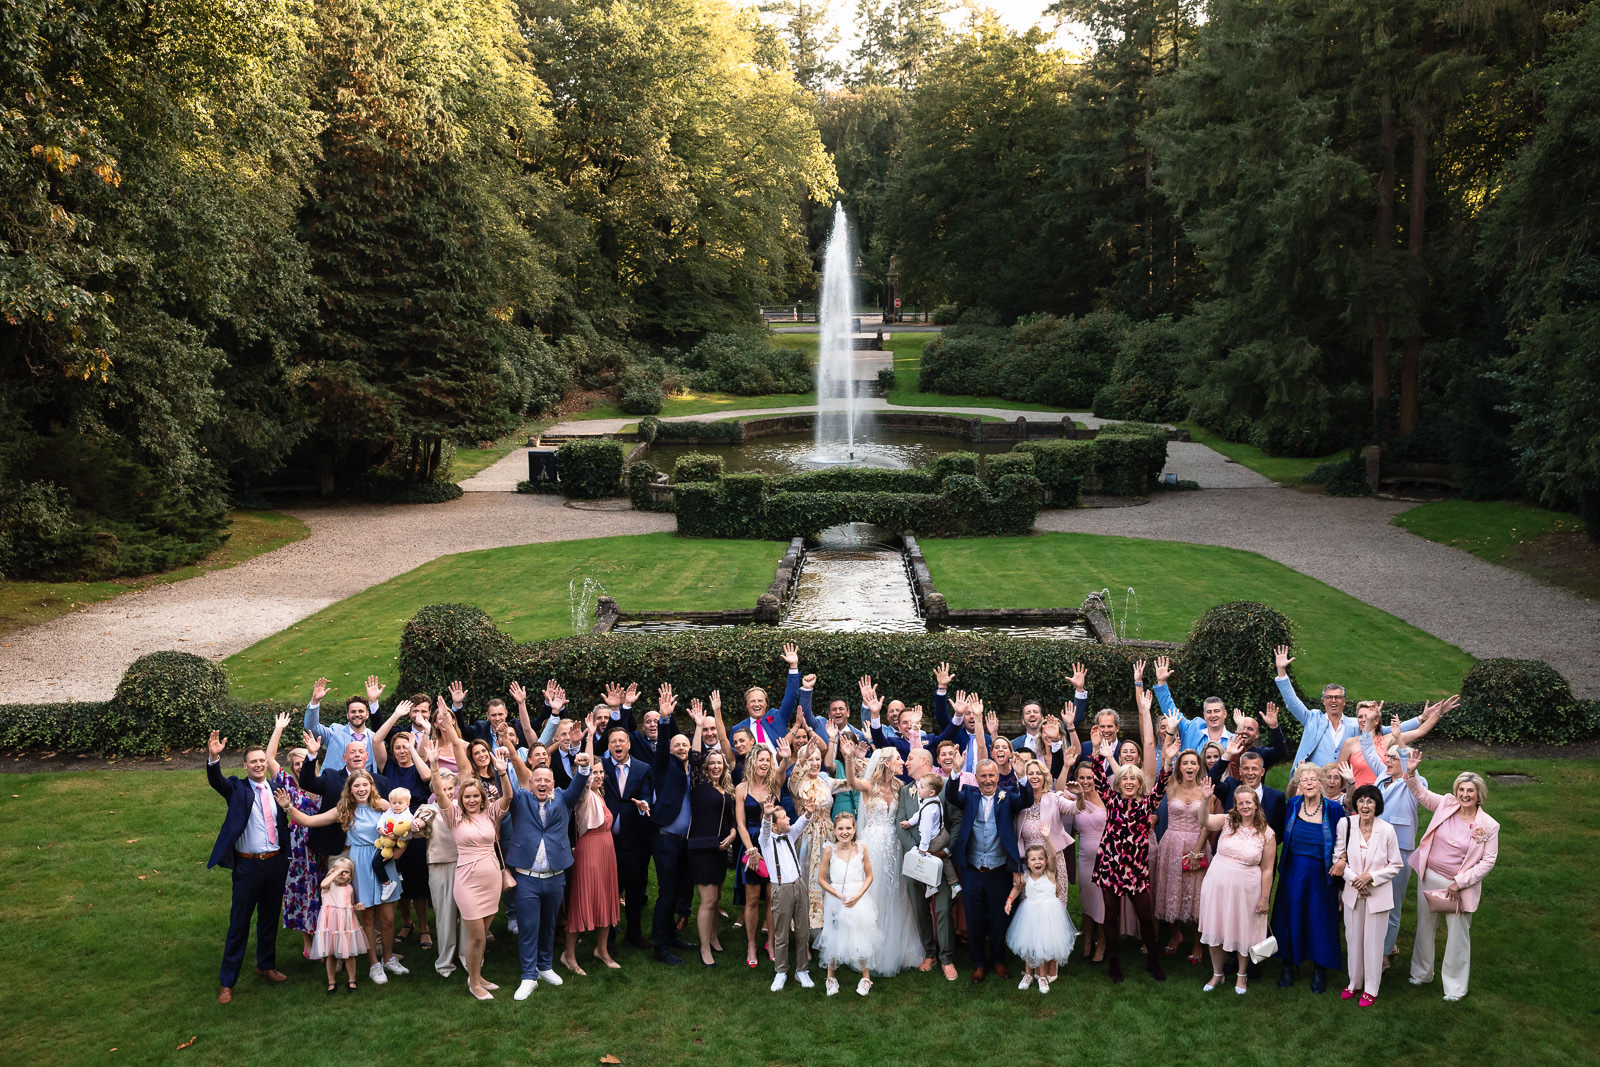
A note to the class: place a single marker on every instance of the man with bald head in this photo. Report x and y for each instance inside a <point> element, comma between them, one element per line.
<point>328,841</point>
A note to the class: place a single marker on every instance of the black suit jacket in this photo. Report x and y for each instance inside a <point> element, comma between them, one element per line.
<point>1273,803</point>
<point>636,827</point>
<point>240,795</point>
<point>329,785</point>
<point>669,779</point>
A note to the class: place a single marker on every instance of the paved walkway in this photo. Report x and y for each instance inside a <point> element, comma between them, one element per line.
<point>1487,610</point>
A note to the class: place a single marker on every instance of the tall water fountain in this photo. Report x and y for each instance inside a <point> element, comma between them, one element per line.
<point>837,407</point>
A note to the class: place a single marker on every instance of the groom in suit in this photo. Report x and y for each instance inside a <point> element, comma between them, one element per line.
<point>628,791</point>
<point>254,845</point>
<point>986,855</point>
<point>538,851</point>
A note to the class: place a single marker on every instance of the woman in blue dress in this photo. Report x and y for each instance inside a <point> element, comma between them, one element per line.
<point>1305,913</point>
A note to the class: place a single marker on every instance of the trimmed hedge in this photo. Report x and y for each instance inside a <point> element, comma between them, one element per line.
<point>589,469</point>
<point>640,477</point>
<point>653,429</point>
<point>947,463</point>
<point>1517,702</point>
<point>1230,650</point>
<point>697,467</point>
<point>1126,457</point>
<point>854,480</point>
<point>1062,466</point>
<point>381,487</point>
<point>998,466</point>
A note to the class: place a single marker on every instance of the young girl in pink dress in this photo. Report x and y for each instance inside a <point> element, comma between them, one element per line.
<point>338,935</point>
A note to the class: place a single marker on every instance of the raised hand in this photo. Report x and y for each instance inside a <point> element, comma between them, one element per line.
<point>282,797</point>
<point>498,758</point>
<point>1396,730</point>
<point>280,722</point>
<point>1416,758</point>
<point>791,655</point>
<point>1234,749</point>
<point>1170,748</point>
<point>1163,669</point>
<point>1138,672</point>
<point>519,694</point>
<point>630,695</point>
<point>1444,707</point>
<point>943,675</point>
<point>215,746</point>
<point>975,709</point>
<point>458,694</point>
<point>556,697</point>
<point>1281,659</point>
<point>613,696</point>
<point>1080,677</point>
<point>697,712</point>
<point>991,722</point>
<point>430,751</point>
<point>808,681</point>
<point>868,690</point>
<point>402,710</point>
<point>1347,770</point>
<point>319,689</point>
<point>1050,730</point>
<point>309,742</point>
<point>666,703</point>
<point>1270,715</point>
<point>1238,720</point>
<point>1172,724</point>
<point>1207,787</point>
<point>716,702</point>
<point>375,689</point>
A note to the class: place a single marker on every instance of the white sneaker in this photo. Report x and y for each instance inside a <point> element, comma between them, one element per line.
<point>1451,999</point>
<point>1421,981</point>
<point>864,986</point>
<point>394,966</point>
<point>525,989</point>
<point>1027,980</point>
<point>955,890</point>
<point>778,981</point>
<point>377,974</point>
<point>511,925</point>
<point>391,892</point>
<point>831,985</point>
<point>550,976</point>
<point>1044,985</point>
<point>804,978</point>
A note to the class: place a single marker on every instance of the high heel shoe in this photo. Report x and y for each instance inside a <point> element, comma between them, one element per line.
<point>1216,980</point>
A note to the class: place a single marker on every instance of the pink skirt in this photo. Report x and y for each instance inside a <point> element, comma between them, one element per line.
<point>338,934</point>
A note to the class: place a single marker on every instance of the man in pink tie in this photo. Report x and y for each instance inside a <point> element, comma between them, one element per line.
<point>252,843</point>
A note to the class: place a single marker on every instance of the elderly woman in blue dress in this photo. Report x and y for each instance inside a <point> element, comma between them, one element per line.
<point>1306,911</point>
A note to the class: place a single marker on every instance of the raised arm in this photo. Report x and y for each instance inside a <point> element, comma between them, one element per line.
<point>1425,796</point>
<point>280,722</point>
<point>942,677</point>
<point>1147,733</point>
<point>450,734</point>
<point>791,685</point>
<point>1165,670</point>
<point>325,818</point>
<point>1281,660</point>
<point>666,704</point>
<point>380,749</point>
<point>313,724</point>
<point>722,727</point>
<point>1214,820</point>
<point>215,746</point>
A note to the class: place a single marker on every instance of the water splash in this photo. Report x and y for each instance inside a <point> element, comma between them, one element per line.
<point>582,599</point>
<point>837,408</point>
<point>1130,609</point>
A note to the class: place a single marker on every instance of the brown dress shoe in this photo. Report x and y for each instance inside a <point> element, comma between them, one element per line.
<point>274,975</point>
<point>1002,971</point>
<point>978,975</point>
<point>226,996</point>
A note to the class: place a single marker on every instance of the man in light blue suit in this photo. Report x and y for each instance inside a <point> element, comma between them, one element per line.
<point>1327,730</point>
<point>538,852</point>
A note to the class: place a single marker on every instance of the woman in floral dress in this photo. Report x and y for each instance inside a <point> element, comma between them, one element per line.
<point>302,890</point>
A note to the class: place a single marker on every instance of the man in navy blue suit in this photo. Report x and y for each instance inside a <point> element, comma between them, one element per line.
<point>628,790</point>
<point>1252,769</point>
<point>538,852</point>
<point>668,811</point>
<point>254,845</point>
<point>986,855</point>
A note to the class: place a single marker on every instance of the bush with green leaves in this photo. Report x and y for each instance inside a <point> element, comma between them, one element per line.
<point>697,467</point>
<point>886,381</point>
<point>1345,477</point>
<point>641,396</point>
<point>384,487</point>
<point>746,363</point>
<point>1129,457</point>
<point>845,479</point>
<point>159,695</point>
<point>1062,466</point>
<point>589,469</point>
<point>945,464</point>
<point>1516,702</point>
<point>998,466</point>
<point>442,638</point>
<point>652,429</point>
<point>1144,375</point>
<point>958,361</point>
<point>641,475</point>
<point>1230,654</point>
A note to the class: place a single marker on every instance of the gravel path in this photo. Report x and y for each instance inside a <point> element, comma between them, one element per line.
<point>1349,544</point>
<point>352,547</point>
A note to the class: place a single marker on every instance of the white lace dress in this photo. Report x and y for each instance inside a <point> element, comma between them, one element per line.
<point>899,945</point>
<point>848,935</point>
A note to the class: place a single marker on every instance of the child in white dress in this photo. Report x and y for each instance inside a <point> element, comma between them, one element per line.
<point>849,920</point>
<point>1041,932</point>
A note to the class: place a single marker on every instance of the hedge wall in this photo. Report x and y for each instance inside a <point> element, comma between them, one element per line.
<point>1127,457</point>
<point>653,429</point>
<point>589,469</point>
<point>639,477</point>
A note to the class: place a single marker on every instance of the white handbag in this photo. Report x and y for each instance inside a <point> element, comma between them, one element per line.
<point>921,867</point>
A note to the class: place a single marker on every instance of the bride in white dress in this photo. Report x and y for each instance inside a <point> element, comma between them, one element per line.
<point>899,945</point>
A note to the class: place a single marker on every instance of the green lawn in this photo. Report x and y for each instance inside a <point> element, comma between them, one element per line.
<point>523,588</point>
<point>701,404</point>
<point>250,534</point>
<point>113,927</point>
<point>1489,529</point>
<point>469,461</point>
<point>1286,469</point>
<point>1338,638</point>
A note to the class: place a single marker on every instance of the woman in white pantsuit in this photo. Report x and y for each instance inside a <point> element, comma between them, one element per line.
<point>1367,854</point>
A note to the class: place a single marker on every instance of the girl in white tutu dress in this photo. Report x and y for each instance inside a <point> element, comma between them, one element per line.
<point>1041,932</point>
<point>849,920</point>
<point>338,935</point>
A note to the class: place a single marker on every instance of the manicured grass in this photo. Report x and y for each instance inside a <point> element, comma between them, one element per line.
<point>250,534</point>
<point>701,404</point>
<point>112,931</point>
<point>1286,469</point>
<point>523,588</point>
<point>1489,529</point>
<point>469,461</point>
<point>1338,638</point>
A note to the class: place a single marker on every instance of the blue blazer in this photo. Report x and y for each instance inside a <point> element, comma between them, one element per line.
<point>240,795</point>
<point>527,829</point>
<point>967,798</point>
<point>776,721</point>
<point>636,828</point>
<point>1331,814</point>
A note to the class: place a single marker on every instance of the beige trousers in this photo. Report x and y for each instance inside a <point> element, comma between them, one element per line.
<point>1364,932</point>
<point>1457,940</point>
<point>790,910</point>
<point>446,920</point>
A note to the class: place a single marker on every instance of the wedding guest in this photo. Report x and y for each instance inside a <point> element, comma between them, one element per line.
<point>789,904</point>
<point>669,811</point>
<point>1305,913</point>
<point>328,840</point>
<point>921,824</point>
<point>406,771</point>
<point>1193,732</point>
<point>1399,811</point>
<point>1179,858</point>
<point>849,927</point>
<point>752,866</point>
<point>1043,824</point>
<point>627,796</point>
<point>1245,727</point>
<point>1088,822</point>
<point>592,898</point>
<point>1325,731</point>
<point>251,845</point>
<point>441,854</point>
<point>1364,753</point>
<point>1040,932</point>
<point>474,821</point>
<point>338,935</point>
<point>1366,855</point>
<point>1456,853</point>
<point>763,722</point>
<point>1237,892</point>
<point>302,892</point>
<point>358,712</point>
<point>1252,772</point>
<point>813,797</point>
<point>711,830</point>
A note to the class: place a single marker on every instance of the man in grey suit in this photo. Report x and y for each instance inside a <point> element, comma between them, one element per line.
<point>933,925</point>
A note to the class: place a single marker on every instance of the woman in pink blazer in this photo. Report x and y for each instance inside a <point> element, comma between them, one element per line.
<point>1366,853</point>
<point>1456,852</point>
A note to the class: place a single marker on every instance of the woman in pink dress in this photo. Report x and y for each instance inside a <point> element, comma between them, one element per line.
<point>1044,824</point>
<point>593,900</point>
<point>1087,819</point>
<point>1174,890</point>
<point>474,820</point>
<point>1236,896</point>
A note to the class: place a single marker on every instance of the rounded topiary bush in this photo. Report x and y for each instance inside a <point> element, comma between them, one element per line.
<point>589,469</point>
<point>1230,656</point>
<point>697,467</point>
<point>1517,702</point>
<point>164,698</point>
<point>444,643</point>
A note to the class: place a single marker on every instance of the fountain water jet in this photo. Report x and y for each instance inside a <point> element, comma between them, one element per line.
<point>837,408</point>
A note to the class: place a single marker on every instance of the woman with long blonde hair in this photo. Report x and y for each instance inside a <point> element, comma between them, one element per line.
<point>761,786</point>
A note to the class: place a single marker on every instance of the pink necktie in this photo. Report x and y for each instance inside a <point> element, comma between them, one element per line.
<point>269,815</point>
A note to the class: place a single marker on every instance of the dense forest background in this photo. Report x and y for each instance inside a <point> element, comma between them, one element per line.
<point>325,240</point>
